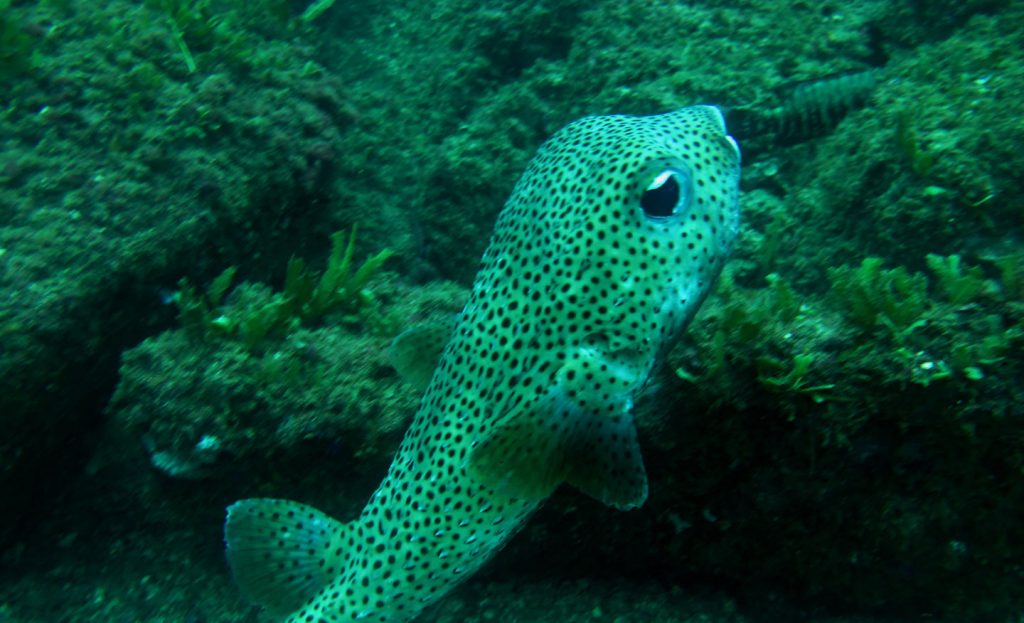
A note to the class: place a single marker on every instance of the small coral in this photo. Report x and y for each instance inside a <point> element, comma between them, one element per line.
<point>192,463</point>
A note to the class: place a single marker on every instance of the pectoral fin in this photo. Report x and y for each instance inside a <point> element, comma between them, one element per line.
<point>416,351</point>
<point>529,454</point>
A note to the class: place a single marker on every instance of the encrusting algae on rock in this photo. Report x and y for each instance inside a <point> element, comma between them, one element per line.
<point>608,245</point>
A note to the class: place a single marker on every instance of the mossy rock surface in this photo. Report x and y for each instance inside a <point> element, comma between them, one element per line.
<point>121,171</point>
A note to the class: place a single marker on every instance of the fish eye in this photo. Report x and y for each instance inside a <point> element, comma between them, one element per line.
<point>667,194</point>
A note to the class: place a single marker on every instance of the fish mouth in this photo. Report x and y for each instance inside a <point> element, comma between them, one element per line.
<point>719,117</point>
<point>716,113</point>
<point>735,147</point>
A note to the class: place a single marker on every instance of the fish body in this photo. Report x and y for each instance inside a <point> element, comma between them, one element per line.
<point>608,245</point>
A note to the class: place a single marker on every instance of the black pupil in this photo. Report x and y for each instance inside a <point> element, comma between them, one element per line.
<point>661,201</point>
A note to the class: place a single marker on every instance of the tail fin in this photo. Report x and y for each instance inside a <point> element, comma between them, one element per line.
<point>281,552</point>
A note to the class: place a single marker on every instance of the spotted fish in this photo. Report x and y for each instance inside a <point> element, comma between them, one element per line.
<point>609,243</point>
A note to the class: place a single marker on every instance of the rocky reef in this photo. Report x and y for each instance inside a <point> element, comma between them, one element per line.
<point>839,434</point>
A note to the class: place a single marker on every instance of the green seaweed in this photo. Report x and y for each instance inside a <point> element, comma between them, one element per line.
<point>771,241</point>
<point>259,314</point>
<point>873,295</point>
<point>268,320</point>
<point>192,24</point>
<point>198,311</point>
<point>785,304</point>
<point>795,380</point>
<point>317,8</point>
<point>199,26</point>
<point>746,313</point>
<point>987,345</point>
<point>746,321</point>
<point>959,285</point>
<point>921,161</point>
<point>715,361</point>
<point>340,288</point>
<point>1011,276</point>
<point>923,369</point>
